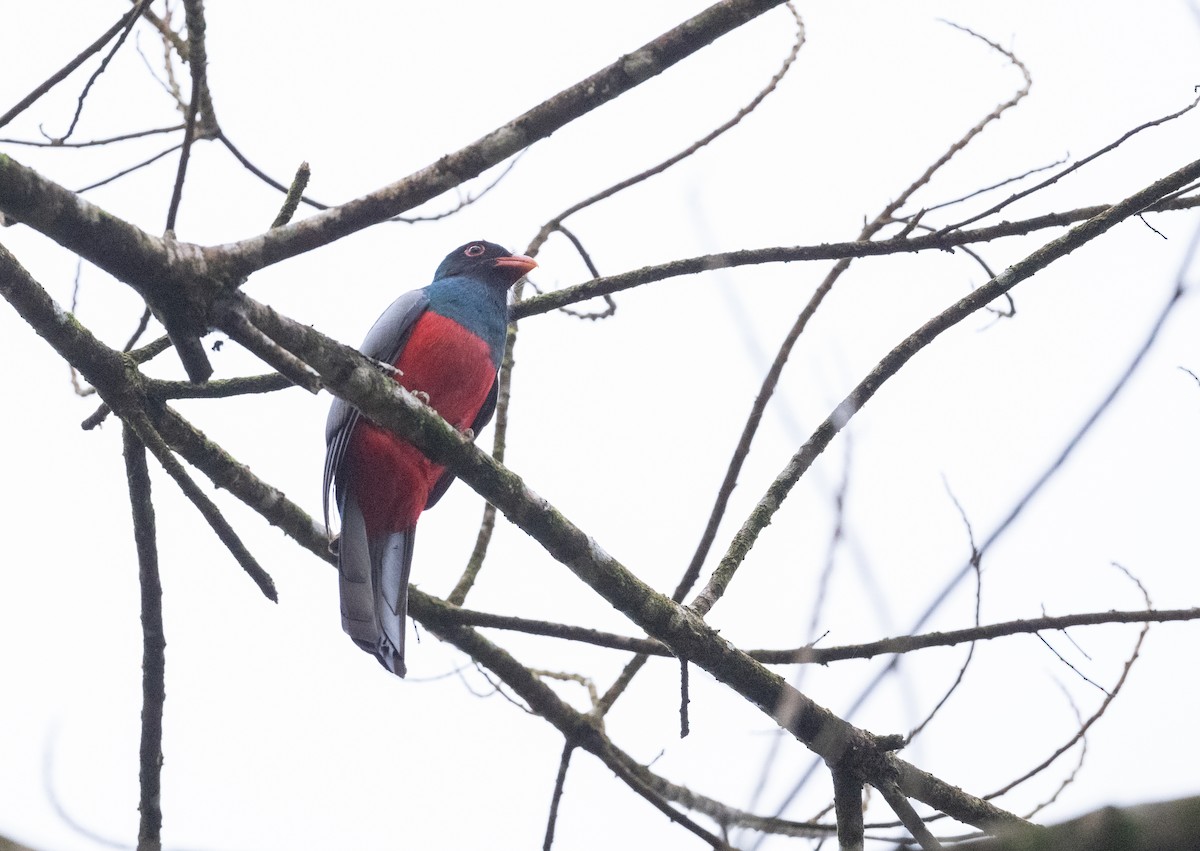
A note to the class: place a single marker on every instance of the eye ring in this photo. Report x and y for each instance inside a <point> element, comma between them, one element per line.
<point>475,249</point>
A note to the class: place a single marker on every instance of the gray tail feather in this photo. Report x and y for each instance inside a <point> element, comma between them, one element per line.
<point>374,586</point>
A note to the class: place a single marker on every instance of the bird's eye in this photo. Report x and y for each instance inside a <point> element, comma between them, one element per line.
<point>475,250</point>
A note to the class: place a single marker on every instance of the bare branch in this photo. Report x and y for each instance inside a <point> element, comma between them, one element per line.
<point>555,799</point>
<point>830,251</point>
<point>93,142</point>
<point>154,644</point>
<point>268,383</point>
<point>197,67</point>
<point>908,816</point>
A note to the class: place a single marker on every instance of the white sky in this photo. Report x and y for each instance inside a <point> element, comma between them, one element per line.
<point>280,733</point>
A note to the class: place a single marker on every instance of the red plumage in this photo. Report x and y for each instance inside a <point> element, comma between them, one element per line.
<point>390,477</point>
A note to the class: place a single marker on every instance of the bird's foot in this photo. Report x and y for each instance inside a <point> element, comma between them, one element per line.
<point>422,395</point>
<point>468,433</point>
<point>389,368</point>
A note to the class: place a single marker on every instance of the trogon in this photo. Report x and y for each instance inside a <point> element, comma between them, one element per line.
<point>445,342</point>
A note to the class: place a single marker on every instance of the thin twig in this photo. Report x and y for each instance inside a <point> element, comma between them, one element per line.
<point>810,655</point>
<point>142,325</point>
<point>1051,180</point>
<point>260,174</point>
<point>132,19</point>
<point>464,200</point>
<point>58,76</point>
<point>556,222</point>
<point>975,561</point>
<point>976,193</point>
<point>124,137</point>
<point>150,160</point>
<point>197,67</point>
<point>830,251</point>
<point>556,798</point>
<point>1109,698</point>
<point>208,510</point>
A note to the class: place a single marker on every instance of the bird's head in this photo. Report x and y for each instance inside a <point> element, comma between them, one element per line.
<point>485,261</point>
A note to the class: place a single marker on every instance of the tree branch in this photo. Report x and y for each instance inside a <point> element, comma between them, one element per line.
<point>154,644</point>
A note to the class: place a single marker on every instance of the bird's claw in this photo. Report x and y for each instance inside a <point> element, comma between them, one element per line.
<point>468,433</point>
<point>422,395</point>
<point>389,368</point>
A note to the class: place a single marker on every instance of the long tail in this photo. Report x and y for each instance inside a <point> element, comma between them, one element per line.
<point>373,586</point>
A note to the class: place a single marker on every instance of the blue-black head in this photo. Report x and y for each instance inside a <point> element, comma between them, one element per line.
<point>485,261</point>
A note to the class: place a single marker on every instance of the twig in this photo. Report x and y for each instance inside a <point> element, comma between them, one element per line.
<point>294,193</point>
<point>197,67</point>
<point>684,699</point>
<point>124,137</point>
<point>559,781</point>
<point>1070,778</point>
<point>260,174</point>
<point>1109,698</point>
<point>611,306</point>
<point>487,525</point>
<point>254,340</point>
<point>556,222</point>
<point>132,18</point>
<point>208,510</point>
<point>129,170</point>
<point>975,561</point>
<point>976,193</point>
<point>831,251</point>
<point>1049,181</point>
<point>154,644</point>
<point>142,325</point>
<point>463,201</point>
<point>57,77</point>
<point>950,638</point>
<point>268,383</point>
<point>810,655</point>
<point>79,389</point>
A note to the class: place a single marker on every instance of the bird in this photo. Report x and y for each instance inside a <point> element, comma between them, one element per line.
<point>443,343</point>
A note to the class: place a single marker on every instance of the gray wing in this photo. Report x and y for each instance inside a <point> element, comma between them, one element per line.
<point>384,342</point>
<point>481,419</point>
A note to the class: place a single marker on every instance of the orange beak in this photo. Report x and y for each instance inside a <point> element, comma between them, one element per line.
<point>517,261</point>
